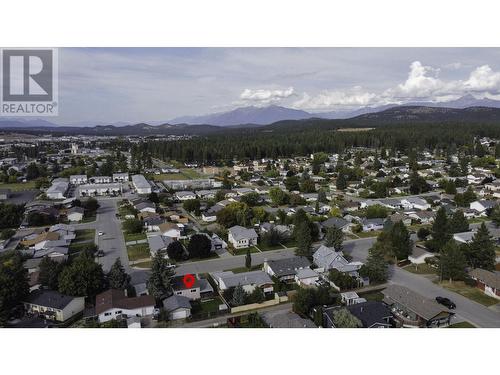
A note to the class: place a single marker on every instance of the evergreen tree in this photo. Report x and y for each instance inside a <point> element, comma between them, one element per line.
<point>458,222</point>
<point>400,241</point>
<point>49,273</point>
<point>495,215</point>
<point>83,277</point>
<point>200,246</point>
<point>334,238</point>
<point>159,280</point>
<point>304,240</point>
<point>344,319</point>
<point>452,262</point>
<point>375,268</point>
<point>341,182</point>
<point>14,286</point>
<point>248,259</point>
<point>117,277</point>
<point>440,231</point>
<point>239,296</point>
<point>175,250</point>
<point>481,251</point>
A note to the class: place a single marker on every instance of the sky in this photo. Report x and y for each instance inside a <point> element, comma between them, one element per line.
<point>112,85</point>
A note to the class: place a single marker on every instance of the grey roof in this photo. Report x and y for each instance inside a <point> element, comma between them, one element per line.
<point>424,307</point>
<point>176,302</point>
<point>158,243</point>
<point>288,319</point>
<point>419,250</point>
<point>288,266</point>
<point>205,286</point>
<point>231,279</point>
<point>370,312</point>
<point>328,258</point>
<point>489,278</point>
<point>240,233</point>
<point>49,298</point>
<point>337,222</point>
<point>77,210</point>
<point>306,273</point>
<point>140,181</point>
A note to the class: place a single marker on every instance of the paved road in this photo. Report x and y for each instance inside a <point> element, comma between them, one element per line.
<point>112,242</point>
<point>467,309</point>
<point>214,322</point>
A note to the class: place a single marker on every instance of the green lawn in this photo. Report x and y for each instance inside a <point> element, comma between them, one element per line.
<point>421,269</point>
<point>84,235</point>
<point>374,233</point>
<point>146,264</point>
<point>19,186</point>
<point>374,295</point>
<point>79,246</point>
<point>462,325</point>
<point>134,236</point>
<point>209,306</point>
<point>263,247</point>
<point>89,218</point>
<point>190,173</point>
<point>136,252</point>
<point>472,293</point>
<point>253,249</point>
<point>244,269</point>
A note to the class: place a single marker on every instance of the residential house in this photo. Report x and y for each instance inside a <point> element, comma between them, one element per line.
<point>415,203</point>
<point>370,225</point>
<point>185,195</point>
<point>286,269</point>
<point>419,254</point>
<point>141,185</point>
<point>159,243</point>
<point>336,222</point>
<point>413,310</point>
<point>423,217</point>
<point>350,298</point>
<point>327,259</point>
<point>114,303</point>
<point>306,277</point>
<point>78,179</point>
<point>372,314</point>
<point>58,189</point>
<point>241,237</point>
<point>170,230</point>
<point>248,280</point>
<point>487,281</point>
<point>177,307</point>
<point>483,205</point>
<point>180,289</point>
<point>210,215</point>
<point>75,214</point>
<point>53,305</point>
<point>120,177</point>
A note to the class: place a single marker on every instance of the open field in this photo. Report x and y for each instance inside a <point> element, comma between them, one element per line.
<point>19,186</point>
<point>136,252</point>
<point>469,292</point>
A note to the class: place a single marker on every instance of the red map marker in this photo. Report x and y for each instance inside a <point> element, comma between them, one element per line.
<point>188,280</point>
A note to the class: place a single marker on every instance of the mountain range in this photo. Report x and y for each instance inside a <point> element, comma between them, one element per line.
<point>252,116</point>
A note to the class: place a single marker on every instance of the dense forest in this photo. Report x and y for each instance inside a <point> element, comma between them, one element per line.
<point>277,141</point>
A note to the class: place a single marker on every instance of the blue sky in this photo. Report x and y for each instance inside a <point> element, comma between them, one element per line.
<point>109,85</point>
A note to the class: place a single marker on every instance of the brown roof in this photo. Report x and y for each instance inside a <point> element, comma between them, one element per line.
<point>167,226</point>
<point>45,236</point>
<point>492,279</point>
<point>114,298</point>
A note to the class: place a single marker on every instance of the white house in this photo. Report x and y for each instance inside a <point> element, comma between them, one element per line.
<point>78,179</point>
<point>415,203</point>
<point>58,189</point>
<point>419,254</point>
<point>306,277</point>
<point>120,177</point>
<point>483,205</point>
<point>180,289</point>
<point>113,304</point>
<point>169,229</point>
<point>53,305</point>
<point>141,185</point>
<point>177,307</point>
<point>185,195</point>
<point>248,280</point>
<point>75,214</point>
<point>241,237</point>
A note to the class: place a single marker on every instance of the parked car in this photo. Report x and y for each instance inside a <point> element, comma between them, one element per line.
<point>446,302</point>
<point>99,253</point>
<point>101,233</point>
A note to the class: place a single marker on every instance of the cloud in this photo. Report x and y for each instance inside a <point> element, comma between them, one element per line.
<point>422,84</point>
<point>329,99</point>
<point>266,96</point>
